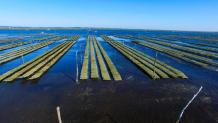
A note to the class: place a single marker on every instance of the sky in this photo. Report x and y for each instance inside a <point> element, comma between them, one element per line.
<point>190,15</point>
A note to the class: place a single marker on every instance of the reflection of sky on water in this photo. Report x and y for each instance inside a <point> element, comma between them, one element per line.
<point>136,99</point>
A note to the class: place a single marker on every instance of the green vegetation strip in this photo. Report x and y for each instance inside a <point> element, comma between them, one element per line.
<point>195,38</point>
<point>201,61</point>
<point>50,62</point>
<point>21,52</point>
<point>104,72</point>
<point>191,45</point>
<point>38,66</point>
<point>15,54</point>
<point>192,58</point>
<point>95,48</point>
<point>9,46</point>
<point>137,62</point>
<point>146,63</point>
<point>215,50</point>
<point>9,40</point>
<point>94,68</point>
<point>26,67</point>
<point>174,73</point>
<point>208,45</point>
<point>116,75</point>
<point>44,67</point>
<point>20,43</point>
<point>27,71</point>
<point>85,67</point>
<point>182,48</point>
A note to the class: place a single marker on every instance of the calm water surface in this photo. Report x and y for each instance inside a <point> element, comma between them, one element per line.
<point>136,99</point>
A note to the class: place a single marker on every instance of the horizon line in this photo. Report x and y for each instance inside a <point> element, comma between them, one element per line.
<point>86,27</point>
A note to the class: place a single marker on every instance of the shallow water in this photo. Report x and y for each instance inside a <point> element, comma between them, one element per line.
<point>135,99</point>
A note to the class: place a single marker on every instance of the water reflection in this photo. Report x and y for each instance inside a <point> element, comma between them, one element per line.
<point>137,99</point>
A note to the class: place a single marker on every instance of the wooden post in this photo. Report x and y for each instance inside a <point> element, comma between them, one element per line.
<point>59,114</point>
<point>190,101</point>
<point>77,71</point>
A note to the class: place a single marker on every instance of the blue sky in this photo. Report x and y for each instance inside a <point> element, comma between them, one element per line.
<point>199,15</point>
